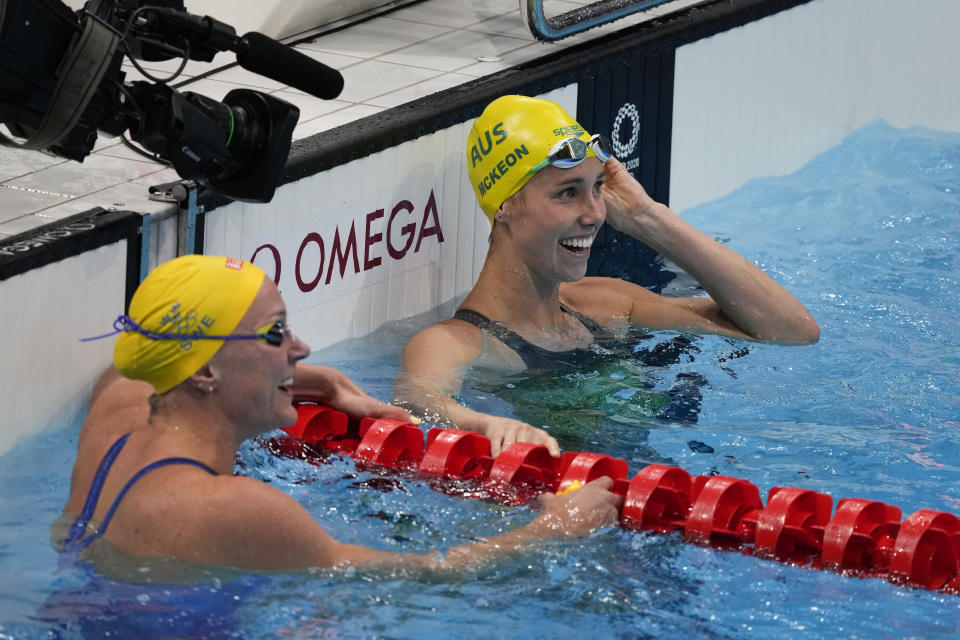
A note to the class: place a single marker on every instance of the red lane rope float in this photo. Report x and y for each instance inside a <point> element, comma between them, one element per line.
<point>863,538</point>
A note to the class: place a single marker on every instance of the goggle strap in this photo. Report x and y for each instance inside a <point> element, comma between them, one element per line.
<point>126,324</point>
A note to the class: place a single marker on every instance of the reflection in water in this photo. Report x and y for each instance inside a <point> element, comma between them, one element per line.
<point>104,608</point>
<point>612,395</point>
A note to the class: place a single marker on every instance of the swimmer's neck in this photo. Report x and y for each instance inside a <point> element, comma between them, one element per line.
<point>516,296</point>
<point>193,427</point>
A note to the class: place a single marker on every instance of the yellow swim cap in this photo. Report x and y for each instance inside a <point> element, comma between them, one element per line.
<point>190,294</point>
<point>511,137</point>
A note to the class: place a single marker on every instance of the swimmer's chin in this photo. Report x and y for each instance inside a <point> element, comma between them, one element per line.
<point>285,417</point>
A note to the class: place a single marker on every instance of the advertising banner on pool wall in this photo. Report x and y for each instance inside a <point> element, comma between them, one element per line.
<point>632,102</point>
<point>376,239</point>
<point>380,238</point>
<point>318,259</point>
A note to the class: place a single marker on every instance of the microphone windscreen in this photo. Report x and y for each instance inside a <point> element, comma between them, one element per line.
<point>265,56</point>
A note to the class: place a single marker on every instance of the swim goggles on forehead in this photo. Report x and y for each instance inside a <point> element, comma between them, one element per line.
<point>272,333</point>
<point>570,152</point>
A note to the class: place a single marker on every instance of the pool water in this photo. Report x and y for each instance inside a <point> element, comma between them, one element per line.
<point>865,235</point>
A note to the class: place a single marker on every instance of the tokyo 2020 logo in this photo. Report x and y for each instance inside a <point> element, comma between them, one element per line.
<point>630,112</point>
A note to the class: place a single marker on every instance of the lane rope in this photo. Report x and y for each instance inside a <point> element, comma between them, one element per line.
<point>863,538</point>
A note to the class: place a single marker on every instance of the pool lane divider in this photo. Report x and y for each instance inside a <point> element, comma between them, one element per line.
<point>863,538</point>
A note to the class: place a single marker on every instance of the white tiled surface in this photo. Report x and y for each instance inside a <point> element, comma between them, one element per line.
<point>387,61</point>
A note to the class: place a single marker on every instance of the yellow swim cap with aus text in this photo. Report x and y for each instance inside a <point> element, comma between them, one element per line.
<point>509,139</point>
<point>188,295</point>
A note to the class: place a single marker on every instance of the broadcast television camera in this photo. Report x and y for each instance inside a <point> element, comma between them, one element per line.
<point>61,81</point>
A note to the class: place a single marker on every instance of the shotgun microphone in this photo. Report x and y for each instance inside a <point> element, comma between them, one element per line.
<point>267,57</point>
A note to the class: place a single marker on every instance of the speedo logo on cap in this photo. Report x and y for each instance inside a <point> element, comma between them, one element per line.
<point>484,145</point>
<point>568,131</point>
<point>234,263</point>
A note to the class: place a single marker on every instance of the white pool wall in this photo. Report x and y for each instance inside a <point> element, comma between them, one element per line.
<point>47,373</point>
<point>765,98</point>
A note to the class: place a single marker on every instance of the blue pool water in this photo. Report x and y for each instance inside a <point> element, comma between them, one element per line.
<point>865,236</point>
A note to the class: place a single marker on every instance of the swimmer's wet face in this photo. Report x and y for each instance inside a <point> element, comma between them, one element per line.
<point>553,220</point>
<point>255,377</point>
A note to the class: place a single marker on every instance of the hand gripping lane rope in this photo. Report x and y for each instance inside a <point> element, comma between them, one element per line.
<point>863,538</point>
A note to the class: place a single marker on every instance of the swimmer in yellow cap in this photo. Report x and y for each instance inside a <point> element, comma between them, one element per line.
<point>547,186</point>
<point>204,360</point>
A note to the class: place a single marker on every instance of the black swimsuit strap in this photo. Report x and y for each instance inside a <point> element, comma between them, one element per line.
<point>476,318</point>
<point>533,356</point>
<point>484,323</point>
<point>500,331</point>
<point>598,332</point>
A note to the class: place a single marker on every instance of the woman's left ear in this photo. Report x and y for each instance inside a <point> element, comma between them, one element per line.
<point>503,213</point>
<point>203,379</point>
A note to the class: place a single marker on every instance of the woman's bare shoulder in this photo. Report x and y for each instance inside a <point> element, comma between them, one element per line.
<point>599,285</point>
<point>600,298</point>
<point>447,342</point>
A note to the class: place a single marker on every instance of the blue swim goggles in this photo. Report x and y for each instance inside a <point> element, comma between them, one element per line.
<point>273,333</point>
<point>570,152</point>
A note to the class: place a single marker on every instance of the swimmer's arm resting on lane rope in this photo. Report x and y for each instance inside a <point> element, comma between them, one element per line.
<point>238,521</point>
<point>327,386</point>
<point>434,362</point>
<point>242,522</point>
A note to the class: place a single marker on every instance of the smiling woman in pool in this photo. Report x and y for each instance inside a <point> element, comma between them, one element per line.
<point>207,361</point>
<point>547,187</point>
